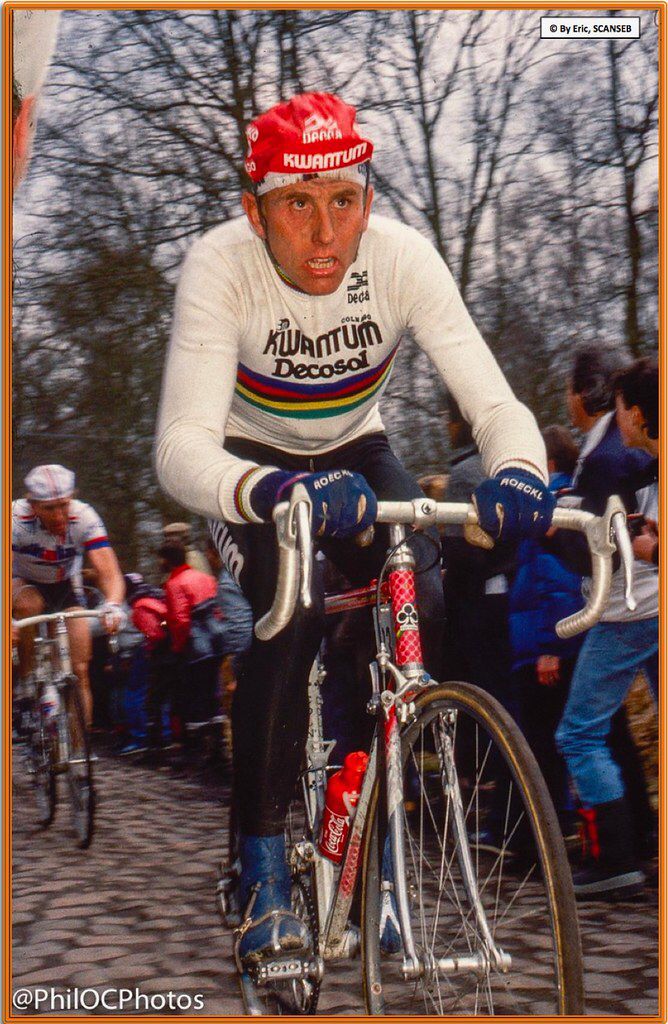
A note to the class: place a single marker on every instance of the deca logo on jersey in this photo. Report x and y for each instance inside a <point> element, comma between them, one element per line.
<point>358,282</point>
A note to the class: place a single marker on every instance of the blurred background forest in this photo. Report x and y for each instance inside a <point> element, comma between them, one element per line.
<point>531,164</point>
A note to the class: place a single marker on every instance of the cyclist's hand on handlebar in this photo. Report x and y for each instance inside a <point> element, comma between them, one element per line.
<point>511,506</point>
<point>343,502</point>
<point>114,618</point>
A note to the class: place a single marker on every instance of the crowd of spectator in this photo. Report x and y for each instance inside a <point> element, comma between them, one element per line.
<point>167,687</point>
<point>180,656</point>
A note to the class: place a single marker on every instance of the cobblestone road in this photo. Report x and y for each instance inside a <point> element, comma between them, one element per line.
<point>137,908</point>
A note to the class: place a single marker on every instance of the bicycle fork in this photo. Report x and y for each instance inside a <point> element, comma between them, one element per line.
<point>490,955</point>
<point>395,832</point>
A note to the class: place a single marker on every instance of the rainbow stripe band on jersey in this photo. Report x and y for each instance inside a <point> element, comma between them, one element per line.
<point>311,401</point>
<point>242,492</point>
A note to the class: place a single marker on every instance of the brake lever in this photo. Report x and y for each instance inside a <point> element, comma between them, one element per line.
<point>301,511</point>
<point>625,548</point>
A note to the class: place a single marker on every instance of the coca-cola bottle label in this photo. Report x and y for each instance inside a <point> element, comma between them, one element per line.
<point>334,832</point>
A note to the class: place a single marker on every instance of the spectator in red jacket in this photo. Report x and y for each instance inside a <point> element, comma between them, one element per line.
<point>149,616</point>
<point>149,609</point>
<point>188,589</point>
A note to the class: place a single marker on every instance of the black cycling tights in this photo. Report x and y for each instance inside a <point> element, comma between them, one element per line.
<point>270,712</point>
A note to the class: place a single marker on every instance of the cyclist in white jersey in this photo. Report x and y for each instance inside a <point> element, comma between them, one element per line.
<point>286,326</point>
<point>51,534</point>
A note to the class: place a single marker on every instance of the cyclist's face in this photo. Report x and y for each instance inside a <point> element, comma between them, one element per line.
<point>53,514</point>
<point>313,229</point>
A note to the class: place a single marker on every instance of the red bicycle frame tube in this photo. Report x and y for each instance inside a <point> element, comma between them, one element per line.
<point>405,615</point>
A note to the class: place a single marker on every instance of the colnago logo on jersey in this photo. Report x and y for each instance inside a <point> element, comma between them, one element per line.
<point>335,385</point>
<point>320,129</point>
<point>326,161</point>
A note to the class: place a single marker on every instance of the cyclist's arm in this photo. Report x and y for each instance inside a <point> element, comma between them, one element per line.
<point>504,429</point>
<point>197,390</point>
<point>110,577</point>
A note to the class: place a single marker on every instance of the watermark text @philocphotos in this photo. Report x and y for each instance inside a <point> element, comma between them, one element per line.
<point>123,1000</point>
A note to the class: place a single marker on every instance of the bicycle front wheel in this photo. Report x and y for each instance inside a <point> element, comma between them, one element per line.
<point>79,770</point>
<point>489,886</point>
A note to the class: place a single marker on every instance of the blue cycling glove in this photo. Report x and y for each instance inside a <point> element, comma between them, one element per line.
<point>512,505</point>
<point>343,502</point>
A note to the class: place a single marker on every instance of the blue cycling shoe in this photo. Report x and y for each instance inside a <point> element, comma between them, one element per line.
<point>390,934</point>
<point>269,927</point>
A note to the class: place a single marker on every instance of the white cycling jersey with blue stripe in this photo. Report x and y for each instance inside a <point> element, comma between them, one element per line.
<point>40,556</point>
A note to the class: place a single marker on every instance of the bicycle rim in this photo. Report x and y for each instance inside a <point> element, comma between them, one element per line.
<point>79,770</point>
<point>43,776</point>
<point>512,846</point>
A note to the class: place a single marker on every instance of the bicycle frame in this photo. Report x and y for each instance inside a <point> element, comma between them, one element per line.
<point>406,674</point>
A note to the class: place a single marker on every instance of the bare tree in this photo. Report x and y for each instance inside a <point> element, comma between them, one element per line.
<point>547,217</point>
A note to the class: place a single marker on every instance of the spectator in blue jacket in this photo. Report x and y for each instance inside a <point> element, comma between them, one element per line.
<point>623,643</point>
<point>544,591</point>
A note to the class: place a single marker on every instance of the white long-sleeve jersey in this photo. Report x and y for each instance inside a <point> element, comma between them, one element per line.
<point>252,357</point>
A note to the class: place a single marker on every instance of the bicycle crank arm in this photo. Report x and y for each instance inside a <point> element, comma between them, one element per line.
<point>476,963</point>
<point>287,968</point>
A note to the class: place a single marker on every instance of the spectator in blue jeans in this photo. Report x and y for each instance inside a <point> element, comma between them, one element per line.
<point>622,644</point>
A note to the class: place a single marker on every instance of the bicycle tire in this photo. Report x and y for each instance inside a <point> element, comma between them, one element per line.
<point>79,768</point>
<point>42,766</point>
<point>529,870</point>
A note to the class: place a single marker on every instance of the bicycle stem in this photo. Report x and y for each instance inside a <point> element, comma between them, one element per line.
<point>63,646</point>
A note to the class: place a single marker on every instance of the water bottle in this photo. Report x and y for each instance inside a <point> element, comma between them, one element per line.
<point>50,702</point>
<point>343,792</point>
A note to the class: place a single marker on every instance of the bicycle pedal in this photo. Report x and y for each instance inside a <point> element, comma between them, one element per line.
<point>287,968</point>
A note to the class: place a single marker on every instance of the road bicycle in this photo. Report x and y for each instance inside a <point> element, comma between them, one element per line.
<point>486,927</point>
<point>57,738</point>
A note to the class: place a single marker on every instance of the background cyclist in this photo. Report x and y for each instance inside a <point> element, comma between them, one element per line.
<point>285,329</point>
<point>51,533</point>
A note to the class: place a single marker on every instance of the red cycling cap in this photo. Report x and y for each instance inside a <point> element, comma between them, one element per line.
<point>310,135</point>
